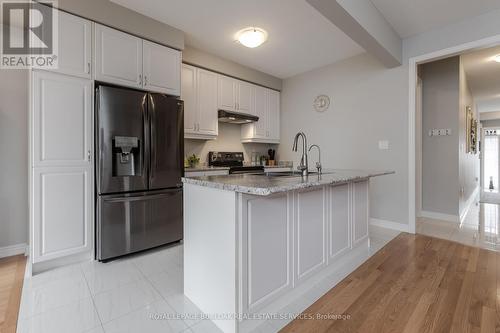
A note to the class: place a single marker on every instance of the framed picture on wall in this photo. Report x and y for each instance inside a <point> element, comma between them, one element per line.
<point>471,131</point>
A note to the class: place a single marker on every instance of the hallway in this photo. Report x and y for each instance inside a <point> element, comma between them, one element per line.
<point>480,228</point>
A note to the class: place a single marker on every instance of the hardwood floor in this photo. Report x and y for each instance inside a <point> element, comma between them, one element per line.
<point>11,283</point>
<point>415,283</point>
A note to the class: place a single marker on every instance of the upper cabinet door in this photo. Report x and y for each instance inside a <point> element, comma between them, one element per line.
<point>227,93</point>
<point>274,115</point>
<point>62,120</point>
<point>245,97</point>
<point>207,103</point>
<point>161,69</point>
<point>75,49</point>
<point>261,105</point>
<point>189,96</point>
<point>118,57</point>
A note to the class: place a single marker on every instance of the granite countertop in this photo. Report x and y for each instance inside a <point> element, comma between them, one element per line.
<point>205,168</point>
<point>266,185</point>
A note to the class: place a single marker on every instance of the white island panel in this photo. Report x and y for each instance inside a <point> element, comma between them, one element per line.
<point>210,252</point>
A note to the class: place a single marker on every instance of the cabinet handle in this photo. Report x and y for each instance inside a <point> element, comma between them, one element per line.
<point>140,79</point>
<point>88,68</point>
<point>145,80</point>
<point>89,155</point>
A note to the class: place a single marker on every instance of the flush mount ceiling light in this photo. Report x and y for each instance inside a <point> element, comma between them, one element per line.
<point>497,58</point>
<point>251,37</point>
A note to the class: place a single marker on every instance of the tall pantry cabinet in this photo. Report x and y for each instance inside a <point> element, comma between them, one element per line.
<point>62,148</point>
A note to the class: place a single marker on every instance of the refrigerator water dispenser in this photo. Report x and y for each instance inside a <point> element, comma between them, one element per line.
<point>126,156</point>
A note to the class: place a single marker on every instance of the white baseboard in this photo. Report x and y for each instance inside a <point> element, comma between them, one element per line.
<point>468,204</point>
<point>12,250</point>
<point>440,216</point>
<point>390,225</point>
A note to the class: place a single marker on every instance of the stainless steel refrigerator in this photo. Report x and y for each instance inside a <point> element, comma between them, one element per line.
<point>139,165</point>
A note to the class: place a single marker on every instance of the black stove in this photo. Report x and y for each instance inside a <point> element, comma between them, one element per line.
<point>233,160</point>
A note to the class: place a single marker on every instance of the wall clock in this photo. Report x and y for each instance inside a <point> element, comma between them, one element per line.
<point>321,103</point>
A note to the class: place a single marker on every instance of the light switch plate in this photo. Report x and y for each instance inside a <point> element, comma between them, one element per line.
<point>383,145</point>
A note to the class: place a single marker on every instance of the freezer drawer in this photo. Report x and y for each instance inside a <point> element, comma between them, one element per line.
<point>128,224</point>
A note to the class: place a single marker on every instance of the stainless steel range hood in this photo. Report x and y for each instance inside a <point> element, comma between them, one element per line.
<point>236,117</point>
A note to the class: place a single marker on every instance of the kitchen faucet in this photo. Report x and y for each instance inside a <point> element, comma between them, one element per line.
<point>318,164</point>
<point>303,166</point>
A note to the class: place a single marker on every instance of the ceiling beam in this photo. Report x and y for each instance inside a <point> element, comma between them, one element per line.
<point>364,24</point>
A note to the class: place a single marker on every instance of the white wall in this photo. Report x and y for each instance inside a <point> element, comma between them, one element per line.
<point>14,157</point>
<point>229,139</point>
<point>367,105</point>
<point>370,102</point>
<point>440,154</point>
<point>469,164</point>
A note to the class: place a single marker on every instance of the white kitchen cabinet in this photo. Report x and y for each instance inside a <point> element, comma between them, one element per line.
<point>62,170</point>
<point>310,238</point>
<point>129,61</point>
<point>360,211</point>
<point>62,120</point>
<point>190,98</point>
<point>273,115</point>
<point>74,46</point>
<point>226,93</point>
<point>244,97</point>
<point>339,221</point>
<point>267,108</point>
<point>118,57</point>
<point>62,212</point>
<point>199,92</point>
<point>162,66</point>
<point>258,130</point>
<point>235,95</point>
<point>208,119</point>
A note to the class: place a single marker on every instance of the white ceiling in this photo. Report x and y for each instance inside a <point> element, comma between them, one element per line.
<point>412,17</point>
<point>483,76</point>
<point>300,38</point>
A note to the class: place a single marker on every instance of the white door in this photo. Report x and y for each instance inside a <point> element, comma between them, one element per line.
<point>360,212</point>
<point>207,102</point>
<point>75,45</point>
<point>310,226</point>
<point>227,94</point>
<point>189,96</point>
<point>273,115</point>
<point>161,69</point>
<point>118,57</point>
<point>261,105</point>
<point>244,97</point>
<point>339,221</point>
<point>62,212</point>
<point>62,120</point>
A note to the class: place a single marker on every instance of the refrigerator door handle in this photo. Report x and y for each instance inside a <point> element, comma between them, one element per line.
<point>143,197</point>
<point>147,145</point>
<point>152,144</point>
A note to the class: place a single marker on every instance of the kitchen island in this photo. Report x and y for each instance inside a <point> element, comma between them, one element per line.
<point>254,243</point>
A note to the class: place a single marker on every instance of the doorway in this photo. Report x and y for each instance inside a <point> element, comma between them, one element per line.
<point>490,159</point>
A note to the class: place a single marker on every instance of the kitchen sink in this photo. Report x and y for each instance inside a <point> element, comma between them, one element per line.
<point>290,174</point>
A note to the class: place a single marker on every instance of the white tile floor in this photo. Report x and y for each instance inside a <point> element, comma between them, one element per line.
<point>122,296</point>
<point>480,228</point>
